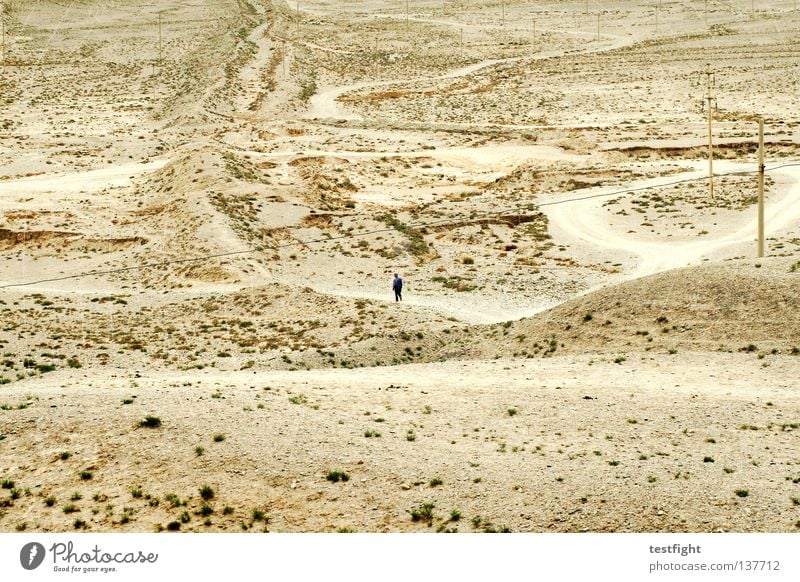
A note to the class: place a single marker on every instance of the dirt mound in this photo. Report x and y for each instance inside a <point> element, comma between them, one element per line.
<point>744,305</point>
<point>10,238</point>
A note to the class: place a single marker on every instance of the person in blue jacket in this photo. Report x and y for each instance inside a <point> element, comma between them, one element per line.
<point>397,286</point>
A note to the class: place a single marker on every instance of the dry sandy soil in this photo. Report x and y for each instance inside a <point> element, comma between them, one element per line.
<point>199,222</point>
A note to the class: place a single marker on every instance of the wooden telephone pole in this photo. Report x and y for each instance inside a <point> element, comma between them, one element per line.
<point>3,18</point>
<point>760,187</point>
<point>709,98</point>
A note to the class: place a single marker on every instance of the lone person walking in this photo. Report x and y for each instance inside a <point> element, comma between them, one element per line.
<point>397,285</point>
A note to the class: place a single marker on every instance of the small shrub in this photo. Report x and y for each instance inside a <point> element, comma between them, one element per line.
<point>336,476</point>
<point>206,492</point>
<point>423,513</point>
<point>742,492</point>
<point>150,422</point>
<point>50,501</point>
<point>69,508</point>
<point>435,482</point>
<point>218,438</point>
<point>86,475</point>
<point>512,411</point>
<point>298,399</point>
<point>7,484</point>
<point>173,526</point>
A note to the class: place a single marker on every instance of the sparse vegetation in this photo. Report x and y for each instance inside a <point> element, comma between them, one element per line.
<point>150,422</point>
<point>336,476</point>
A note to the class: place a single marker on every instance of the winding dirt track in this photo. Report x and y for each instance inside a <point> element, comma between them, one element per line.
<point>584,220</point>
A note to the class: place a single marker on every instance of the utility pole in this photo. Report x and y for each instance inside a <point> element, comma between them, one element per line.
<point>534,34</point>
<point>598,27</point>
<point>760,187</point>
<point>709,100</point>
<point>160,60</point>
<point>3,18</point>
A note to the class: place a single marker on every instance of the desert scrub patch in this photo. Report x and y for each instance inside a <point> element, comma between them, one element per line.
<point>298,399</point>
<point>150,421</point>
<point>218,438</point>
<point>173,500</point>
<point>416,244</point>
<point>423,513</point>
<point>336,476</point>
<point>371,434</point>
<point>455,283</point>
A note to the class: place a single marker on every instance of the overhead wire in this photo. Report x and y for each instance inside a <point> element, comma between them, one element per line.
<point>419,225</point>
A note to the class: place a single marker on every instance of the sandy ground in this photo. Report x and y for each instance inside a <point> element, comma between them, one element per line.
<point>207,227</point>
<point>558,445</point>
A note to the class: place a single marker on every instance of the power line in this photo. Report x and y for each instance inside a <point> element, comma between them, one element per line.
<point>472,217</point>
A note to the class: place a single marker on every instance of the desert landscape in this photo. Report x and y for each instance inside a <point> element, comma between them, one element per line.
<point>202,206</point>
